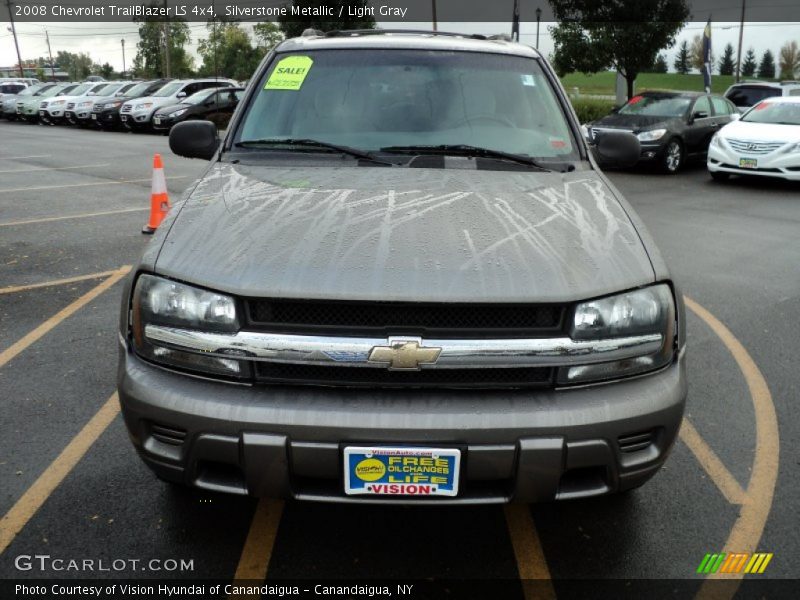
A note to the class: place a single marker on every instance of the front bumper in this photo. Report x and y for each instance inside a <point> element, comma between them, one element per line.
<point>135,120</point>
<point>286,442</point>
<point>81,115</point>
<point>782,165</point>
<point>164,123</point>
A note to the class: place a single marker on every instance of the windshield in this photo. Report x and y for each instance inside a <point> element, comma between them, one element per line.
<point>29,91</point>
<point>745,95</point>
<point>380,98</point>
<point>42,91</point>
<point>53,91</point>
<point>78,90</point>
<point>656,106</point>
<point>168,90</point>
<point>199,97</point>
<point>780,113</point>
<point>108,90</point>
<point>138,89</point>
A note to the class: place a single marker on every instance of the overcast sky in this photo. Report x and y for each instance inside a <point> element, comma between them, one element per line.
<point>103,40</point>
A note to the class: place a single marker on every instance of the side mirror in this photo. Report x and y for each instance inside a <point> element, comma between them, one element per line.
<point>736,116</point>
<point>617,149</point>
<point>194,139</point>
<point>699,114</point>
<point>615,110</point>
<point>180,95</point>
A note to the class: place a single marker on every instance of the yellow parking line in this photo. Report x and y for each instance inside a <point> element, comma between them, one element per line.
<point>257,549</point>
<point>708,459</point>
<point>57,318</point>
<point>36,495</point>
<point>81,216</point>
<point>75,185</point>
<point>528,552</point>
<point>746,532</point>
<point>32,286</point>
<point>37,169</point>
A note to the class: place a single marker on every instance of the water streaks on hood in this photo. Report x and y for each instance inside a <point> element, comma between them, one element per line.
<point>405,234</point>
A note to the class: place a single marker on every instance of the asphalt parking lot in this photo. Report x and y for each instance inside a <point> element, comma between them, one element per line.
<point>72,204</point>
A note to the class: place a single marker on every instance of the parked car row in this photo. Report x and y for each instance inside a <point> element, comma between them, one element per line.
<point>154,105</point>
<point>673,127</point>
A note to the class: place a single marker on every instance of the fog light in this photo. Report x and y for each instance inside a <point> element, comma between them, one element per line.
<point>199,362</point>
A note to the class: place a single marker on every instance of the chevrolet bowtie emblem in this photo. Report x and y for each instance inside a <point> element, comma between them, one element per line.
<point>404,354</point>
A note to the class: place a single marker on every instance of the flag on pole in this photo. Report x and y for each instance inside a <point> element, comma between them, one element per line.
<point>707,56</point>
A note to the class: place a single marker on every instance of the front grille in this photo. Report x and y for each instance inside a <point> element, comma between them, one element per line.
<point>126,109</point>
<point>43,105</point>
<point>424,319</point>
<point>97,108</point>
<point>746,147</point>
<point>280,373</point>
<point>70,105</point>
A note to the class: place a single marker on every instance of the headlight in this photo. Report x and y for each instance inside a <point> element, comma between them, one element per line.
<point>85,104</point>
<point>647,312</point>
<point>178,113</point>
<point>57,102</point>
<point>143,106</point>
<point>791,149</point>
<point>714,141</point>
<point>651,136</point>
<point>161,302</point>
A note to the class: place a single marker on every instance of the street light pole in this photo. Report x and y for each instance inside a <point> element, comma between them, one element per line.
<point>739,54</point>
<point>538,19</point>
<point>166,39</point>
<point>14,32</point>
<point>124,70</point>
<point>50,52</point>
<point>433,10</point>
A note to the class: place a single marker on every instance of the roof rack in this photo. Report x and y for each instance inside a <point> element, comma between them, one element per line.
<point>357,32</point>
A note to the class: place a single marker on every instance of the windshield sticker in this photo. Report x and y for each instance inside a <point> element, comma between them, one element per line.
<point>635,99</point>
<point>761,106</point>
<point>527,79</point>
<point>290,73</point>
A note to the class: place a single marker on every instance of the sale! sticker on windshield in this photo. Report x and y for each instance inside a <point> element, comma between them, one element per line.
<point>401,471</point>
<point>289,73</point>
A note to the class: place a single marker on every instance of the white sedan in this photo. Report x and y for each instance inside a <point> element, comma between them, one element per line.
<point>765,142</point>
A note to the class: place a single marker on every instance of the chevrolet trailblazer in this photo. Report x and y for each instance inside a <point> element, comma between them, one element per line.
<point>402,277</point>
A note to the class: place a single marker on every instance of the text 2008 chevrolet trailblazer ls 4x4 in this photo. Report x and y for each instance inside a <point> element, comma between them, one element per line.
<point>402,278</point>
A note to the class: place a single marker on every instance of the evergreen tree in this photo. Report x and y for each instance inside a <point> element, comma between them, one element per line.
<point>660,66</point>
<point>726,63</point>
<point>749,65</point>
<point>766,70</point>
<point>682,60</point>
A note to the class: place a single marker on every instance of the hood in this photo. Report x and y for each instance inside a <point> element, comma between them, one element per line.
<point>761,132</point>
<point>631,121</point>
<point>410,234</point>
<point>141,99</point>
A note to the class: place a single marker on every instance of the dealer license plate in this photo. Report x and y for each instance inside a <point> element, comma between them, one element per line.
<point>41,113</point>
<point>748,163</point>
<point>401,471</point>
<point>94,117</point>
<point>157,121</point>
<point>124,117</point>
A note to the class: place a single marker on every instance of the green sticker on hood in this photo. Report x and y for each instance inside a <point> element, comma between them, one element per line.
<point>289,73</point>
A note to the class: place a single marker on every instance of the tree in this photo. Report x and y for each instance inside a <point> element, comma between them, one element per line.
<point>150,60</point>
<point>789,60</point>
<point>749,64</point>
<point>696,54</point>
<point>105,70</point>
<point>660,66</point>
<point>294,26</point>
<point>593,36</point>
<point>726,63</point>
<point>227,51</point>
<point>682,60</point>
<point>268,35</point>
<point>766,70</point>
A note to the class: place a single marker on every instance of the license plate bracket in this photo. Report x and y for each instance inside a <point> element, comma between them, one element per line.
<point>748,163</point>
<point>403,471</point>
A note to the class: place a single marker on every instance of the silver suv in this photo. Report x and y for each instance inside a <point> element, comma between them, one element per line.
<point>749,93</point>
<point>402,278</point>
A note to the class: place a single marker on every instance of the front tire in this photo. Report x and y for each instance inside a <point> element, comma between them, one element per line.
<point>672,159</point>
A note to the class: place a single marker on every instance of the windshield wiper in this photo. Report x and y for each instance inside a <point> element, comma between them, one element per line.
<point>467,150</point>
<point>363,154</point>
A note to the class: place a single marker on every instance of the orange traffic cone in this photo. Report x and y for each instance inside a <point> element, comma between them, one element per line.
<point>159,201</point>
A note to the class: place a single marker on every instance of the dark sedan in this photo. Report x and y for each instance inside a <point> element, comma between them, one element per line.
<point>106,114</point>
<point>671,126</point>
<point>212,104</point>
